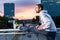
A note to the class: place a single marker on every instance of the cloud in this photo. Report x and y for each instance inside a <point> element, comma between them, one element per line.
<point>7,1</point>
<point>1,14</point>
<point>27,2</point>
<point>0,11</point>
<point>20,2</point>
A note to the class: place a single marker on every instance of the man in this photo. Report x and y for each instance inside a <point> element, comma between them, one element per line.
<point>47,23</point>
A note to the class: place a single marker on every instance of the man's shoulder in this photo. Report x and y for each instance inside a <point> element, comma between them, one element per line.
<point>44,11</point>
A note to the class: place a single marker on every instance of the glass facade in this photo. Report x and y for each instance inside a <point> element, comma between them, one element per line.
<point>52,6</point>
<point>58,0</point>
<point>9,9</point>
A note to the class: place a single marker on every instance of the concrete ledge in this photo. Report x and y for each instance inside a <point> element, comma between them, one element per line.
<point>20,36</point>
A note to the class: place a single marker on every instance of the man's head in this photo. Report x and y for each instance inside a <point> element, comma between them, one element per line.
<point>38,8</point>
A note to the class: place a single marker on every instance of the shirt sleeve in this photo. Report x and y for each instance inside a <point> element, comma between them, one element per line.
<point>46,22</point>
<point>46,25</point>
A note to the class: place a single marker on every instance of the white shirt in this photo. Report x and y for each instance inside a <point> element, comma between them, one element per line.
<point>46,21</point>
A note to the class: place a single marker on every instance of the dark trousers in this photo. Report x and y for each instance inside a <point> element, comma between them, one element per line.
<point>51,35</point>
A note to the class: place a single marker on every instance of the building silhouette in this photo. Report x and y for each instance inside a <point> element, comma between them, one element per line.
<point>9,9</point>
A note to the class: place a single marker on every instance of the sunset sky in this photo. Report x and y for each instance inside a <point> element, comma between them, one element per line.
<point>24,9</point>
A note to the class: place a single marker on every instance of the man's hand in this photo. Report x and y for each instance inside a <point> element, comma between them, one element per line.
<point>39,27</point>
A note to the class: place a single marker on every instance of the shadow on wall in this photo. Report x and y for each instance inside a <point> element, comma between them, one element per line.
<point>56,20</point>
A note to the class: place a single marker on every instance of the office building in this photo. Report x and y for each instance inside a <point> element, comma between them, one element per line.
<point>53,6</point>
<point>9,9</point>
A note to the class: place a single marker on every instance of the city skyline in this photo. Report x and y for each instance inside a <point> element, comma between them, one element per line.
<point>24,9</point>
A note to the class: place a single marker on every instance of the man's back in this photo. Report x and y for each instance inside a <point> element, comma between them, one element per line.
<point>46,20</point>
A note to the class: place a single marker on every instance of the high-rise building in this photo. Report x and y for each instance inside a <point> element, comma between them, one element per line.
<point>9,9</point>
<point>53,6</point>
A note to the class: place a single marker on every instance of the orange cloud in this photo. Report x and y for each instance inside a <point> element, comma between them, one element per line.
<point>1,14</point>
<point>25,12</point>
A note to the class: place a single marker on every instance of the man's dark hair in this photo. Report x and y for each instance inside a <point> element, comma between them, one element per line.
<point>40,5</point>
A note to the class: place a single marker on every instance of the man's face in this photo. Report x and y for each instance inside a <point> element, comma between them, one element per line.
<point>37,9</point>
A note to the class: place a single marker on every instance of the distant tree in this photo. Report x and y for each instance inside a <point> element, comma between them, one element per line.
<point>4,22</point>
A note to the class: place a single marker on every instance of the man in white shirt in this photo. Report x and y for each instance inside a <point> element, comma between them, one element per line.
<point>47,24</point>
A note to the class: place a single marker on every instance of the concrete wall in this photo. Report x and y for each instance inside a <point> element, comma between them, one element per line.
<point>28,36</point>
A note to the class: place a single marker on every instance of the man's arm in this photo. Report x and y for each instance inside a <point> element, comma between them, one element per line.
<point>45,24</point>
